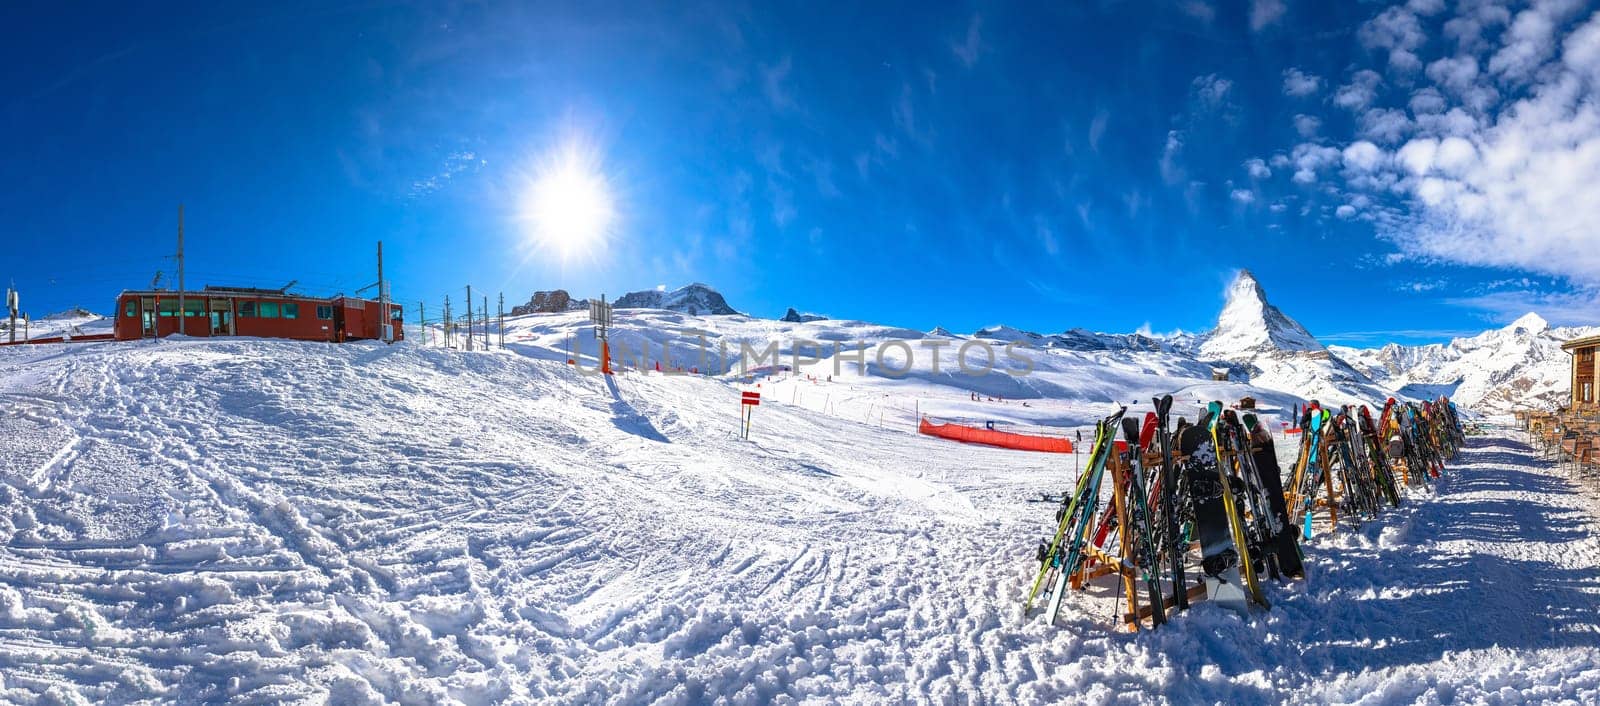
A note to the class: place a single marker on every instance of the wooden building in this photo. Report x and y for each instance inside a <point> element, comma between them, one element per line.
<point>1585,369</point>
<point>242,311</point>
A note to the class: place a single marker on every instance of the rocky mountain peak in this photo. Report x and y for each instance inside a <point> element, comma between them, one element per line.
<point>1249,324</point>
<point>694,299</point>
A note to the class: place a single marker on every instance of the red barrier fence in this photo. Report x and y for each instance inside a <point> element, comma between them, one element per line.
<point>1002,439</point>
<point>59,339</point>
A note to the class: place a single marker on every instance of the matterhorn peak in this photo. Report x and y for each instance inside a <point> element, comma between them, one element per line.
<point>1530,322</point>
<point>1249,325</point>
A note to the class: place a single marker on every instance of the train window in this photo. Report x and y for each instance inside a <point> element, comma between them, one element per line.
<point>132,309</point>
<point>324,312</point>
<point>247,310</point>
<point>291,310</point>
<point>396,315</point>
<point>267,310</point>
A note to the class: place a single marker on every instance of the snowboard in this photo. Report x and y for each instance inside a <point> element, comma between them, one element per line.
<point>1219,558</point>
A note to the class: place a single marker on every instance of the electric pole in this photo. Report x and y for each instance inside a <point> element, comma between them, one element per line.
<point>422,322</point>
<point>448,323</point>
<point>182,311</point>
<point>469,317</point>
<point>385,324</point>
<point>485,311</point>
<point>502,320</point>
<point>13,301</point>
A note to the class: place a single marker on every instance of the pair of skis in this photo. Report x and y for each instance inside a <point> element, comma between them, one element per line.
<point>1064,554</point>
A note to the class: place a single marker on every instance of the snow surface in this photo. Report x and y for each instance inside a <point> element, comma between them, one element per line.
<point>264,521</point>
<point>76,322</point>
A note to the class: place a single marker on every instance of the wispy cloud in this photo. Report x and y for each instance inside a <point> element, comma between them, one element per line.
<point>1298,83</point>
<point>1360,338</point>
<point>456,164</point>
<point>1574,308</point>
<point>1198,9</point>
<point>774,83</point>
<point>1264,13</point>
<point>970,48</point>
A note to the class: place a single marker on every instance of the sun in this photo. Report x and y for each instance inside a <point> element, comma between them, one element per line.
<point>568,204</point>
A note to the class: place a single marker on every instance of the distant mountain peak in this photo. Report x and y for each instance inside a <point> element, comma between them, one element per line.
<point>1530,322</point>
<point>1249,324</point>
<point>794,316</point>
<point>695,299</point>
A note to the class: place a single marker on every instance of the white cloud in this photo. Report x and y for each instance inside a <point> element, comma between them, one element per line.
<point>1265,12</point>
<point>1530,40</point>
<point>1199,10</point>
<point>1360,92</point>
<point>1426,7</point>
<point>1386,125</point>
<point>1417,155</point>
<point>1455,156</point>
<point>1427,101</point>
<point>455,164</point>
<point>1097,128</point>
<point>1514,188</point>
<point>1362,156</point>
<point>1243,195</point>
<point>773,80</point>
<point>1212,90</point>
<point>1455,121</point>
<point>1170,169</point>
<point>1456,73</point>
<point>1346,211</point>
<point>1579,307</point>
<point>1397,31</point>
<point>1299,83</point>
<point>1581,50</point>
<point>1257,168</point>
<point>1472,18</point>
<point>1307,125</point>
<point>970,49</point>
<point>1309,158</point>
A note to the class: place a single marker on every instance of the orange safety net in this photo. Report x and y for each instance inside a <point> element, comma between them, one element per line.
<point>1002,439</point>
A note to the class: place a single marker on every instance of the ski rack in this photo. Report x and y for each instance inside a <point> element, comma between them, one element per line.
<point>1328,500</point>
<point>1123,563</point>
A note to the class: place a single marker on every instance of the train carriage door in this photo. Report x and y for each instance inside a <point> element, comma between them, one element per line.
<point>338,322</point>
<point>147,317</point>
<point>221,317</point>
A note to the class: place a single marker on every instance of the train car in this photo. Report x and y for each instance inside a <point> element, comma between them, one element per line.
<point>262,313</point>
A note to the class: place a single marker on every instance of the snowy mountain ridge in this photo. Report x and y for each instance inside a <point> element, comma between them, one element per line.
<point>693,299</point>
<point>1518,365</point>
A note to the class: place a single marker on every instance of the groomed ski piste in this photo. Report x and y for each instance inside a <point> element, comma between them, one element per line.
<point>258,521</point>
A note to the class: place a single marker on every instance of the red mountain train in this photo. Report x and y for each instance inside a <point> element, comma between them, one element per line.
<point>240,311</point>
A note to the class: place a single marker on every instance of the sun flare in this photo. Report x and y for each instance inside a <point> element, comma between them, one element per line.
<point>568,205</point>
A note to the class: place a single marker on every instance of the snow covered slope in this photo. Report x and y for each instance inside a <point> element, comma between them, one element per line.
<point>250,521</point>
<point>72,322</point>
<point>1520,365</point>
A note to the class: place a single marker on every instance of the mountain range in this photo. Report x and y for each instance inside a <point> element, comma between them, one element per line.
<point>1519,365</point>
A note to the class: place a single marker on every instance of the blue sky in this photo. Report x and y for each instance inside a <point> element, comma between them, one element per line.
<point>1105,165</point>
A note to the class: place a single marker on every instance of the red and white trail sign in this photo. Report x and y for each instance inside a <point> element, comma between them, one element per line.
<point>747,404</point>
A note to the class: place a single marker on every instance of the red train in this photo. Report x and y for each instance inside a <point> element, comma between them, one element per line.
<point>243,311</point>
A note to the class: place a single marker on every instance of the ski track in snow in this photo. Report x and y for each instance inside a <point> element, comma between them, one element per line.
<point>266,522</point>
